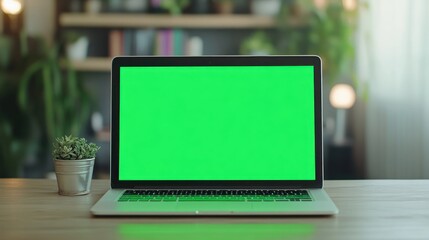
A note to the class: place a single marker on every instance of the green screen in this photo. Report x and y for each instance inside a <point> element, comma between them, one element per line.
<point>217,123</point>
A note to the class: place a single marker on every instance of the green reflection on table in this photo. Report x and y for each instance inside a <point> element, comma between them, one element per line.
<point>216,231</point>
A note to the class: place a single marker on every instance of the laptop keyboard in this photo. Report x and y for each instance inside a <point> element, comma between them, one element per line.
<point>215,195</point>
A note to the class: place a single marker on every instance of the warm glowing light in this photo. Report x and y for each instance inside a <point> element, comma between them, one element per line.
<point>320,4</point>
<point>342,96</point>
<point>11,7</point>
<point>349,5</point>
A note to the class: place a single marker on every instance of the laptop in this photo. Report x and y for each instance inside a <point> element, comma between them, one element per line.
<point>216,135</point>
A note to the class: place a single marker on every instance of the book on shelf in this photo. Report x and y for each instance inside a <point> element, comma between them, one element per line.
<point>163,42</point>
<point>115,43</point>
<point>170,42</point>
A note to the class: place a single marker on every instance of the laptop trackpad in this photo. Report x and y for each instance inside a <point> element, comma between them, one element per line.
<point>213,207</point>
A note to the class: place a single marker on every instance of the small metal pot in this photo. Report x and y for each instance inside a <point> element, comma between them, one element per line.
<point>74,176</point>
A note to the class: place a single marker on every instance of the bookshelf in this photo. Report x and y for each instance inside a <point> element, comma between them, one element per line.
<point>93,64</point>
<point>131,21</point>
<point>207,21</point>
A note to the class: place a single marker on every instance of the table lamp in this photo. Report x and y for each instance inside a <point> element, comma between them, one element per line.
<point>341,97</point>
<point>12,9</point>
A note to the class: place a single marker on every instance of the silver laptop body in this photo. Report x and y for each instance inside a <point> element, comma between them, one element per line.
<point>224,135</point>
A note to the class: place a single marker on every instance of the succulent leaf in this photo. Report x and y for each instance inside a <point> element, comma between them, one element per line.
<point>73,148</point>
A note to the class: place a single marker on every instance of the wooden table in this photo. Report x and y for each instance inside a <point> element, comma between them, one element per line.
<point>369,209</point>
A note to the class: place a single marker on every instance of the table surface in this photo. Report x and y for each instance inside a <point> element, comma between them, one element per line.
<point>369,209</point>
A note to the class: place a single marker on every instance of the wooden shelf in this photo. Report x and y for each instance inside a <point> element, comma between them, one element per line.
<point>107,20</point>
<point>130,20</point>
<point>93,64</point>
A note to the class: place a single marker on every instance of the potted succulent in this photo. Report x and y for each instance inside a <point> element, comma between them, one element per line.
<point>76,45</point>
<point>74,163</point>
<point>265,7</point>
<point>258,43</point>
<point>174,7</point>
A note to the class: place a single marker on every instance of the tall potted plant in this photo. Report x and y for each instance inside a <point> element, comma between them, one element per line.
<point>40,99</point>
<point>13,122</point>
<point>53,98</point>
<point>15,126</point>
<point>74,163</point>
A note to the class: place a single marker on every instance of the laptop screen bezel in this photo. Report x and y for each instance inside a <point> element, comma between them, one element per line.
<point>119,62</point>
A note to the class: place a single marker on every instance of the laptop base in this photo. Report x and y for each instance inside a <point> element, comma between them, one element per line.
<point>108,205</point>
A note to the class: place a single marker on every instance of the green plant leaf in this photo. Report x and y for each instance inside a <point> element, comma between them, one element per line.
<point>72,148</point>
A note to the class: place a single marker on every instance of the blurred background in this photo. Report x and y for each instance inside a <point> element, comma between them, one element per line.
<point>55,69</point>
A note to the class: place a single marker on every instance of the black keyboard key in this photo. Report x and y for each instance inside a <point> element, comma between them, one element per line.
<point>214,195</point>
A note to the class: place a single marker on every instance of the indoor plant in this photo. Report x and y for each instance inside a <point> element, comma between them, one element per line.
<point>41,97</point>
<point>327,30</point>
<point>53,99</point>
<point>76,45</point>
<point>174,7</point>
<point>265,7</point>
<point>13,123</point>
<point>74,163</point>
<point>258,43</point>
